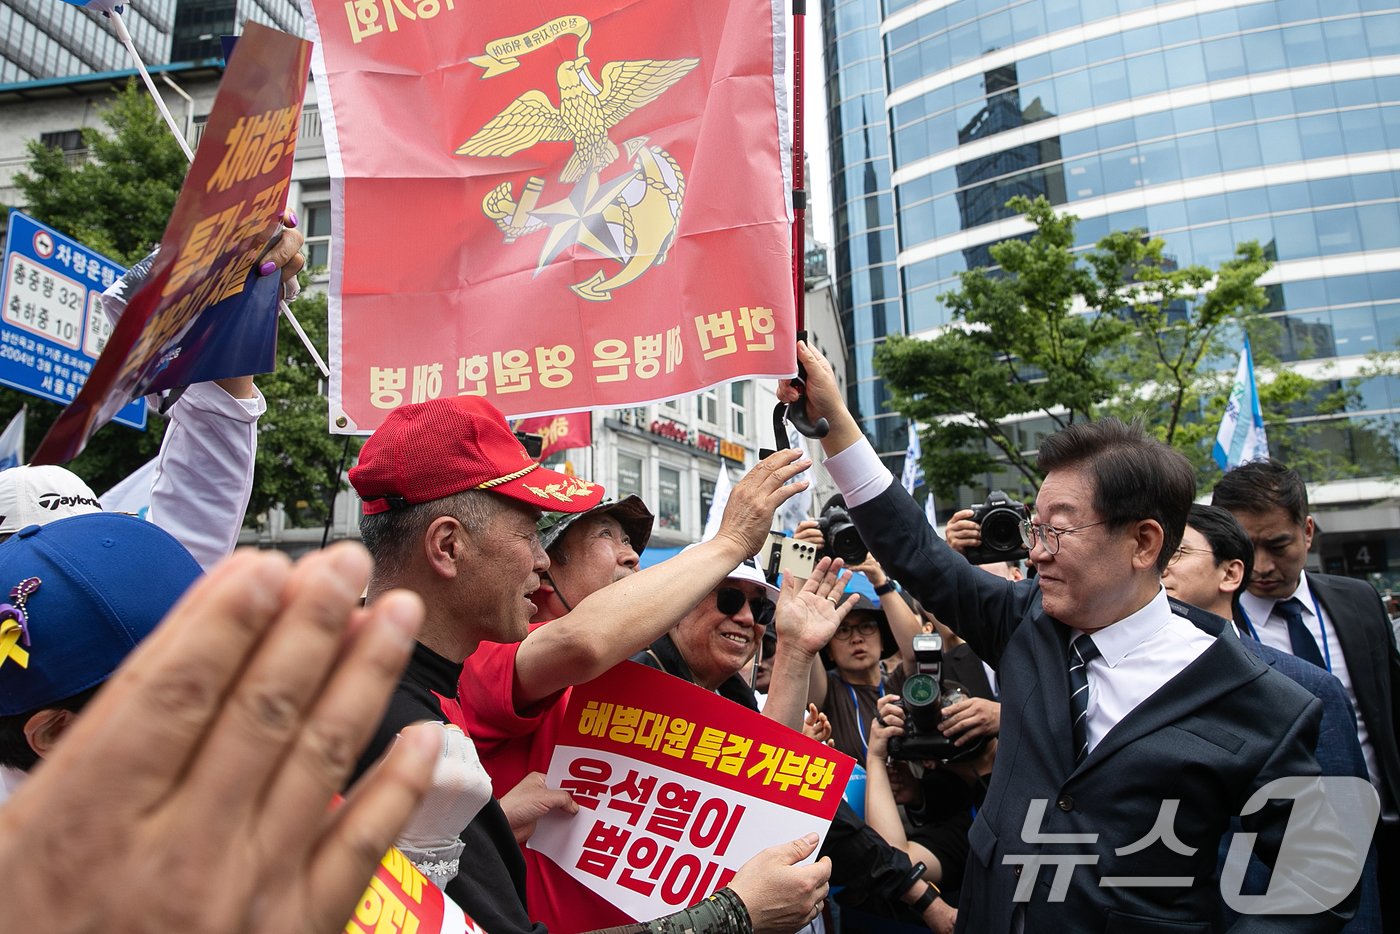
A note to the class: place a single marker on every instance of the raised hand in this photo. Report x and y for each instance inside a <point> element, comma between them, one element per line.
<point>195,792</point>
<point>809,611</point>
<point>748,516</point>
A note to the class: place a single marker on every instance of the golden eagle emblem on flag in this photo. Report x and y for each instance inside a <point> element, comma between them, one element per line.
<point>630,218</point>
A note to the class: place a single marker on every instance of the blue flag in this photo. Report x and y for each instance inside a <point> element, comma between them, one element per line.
<point>12,441</point>
<point>913,477</point>
<point>1241,437</point>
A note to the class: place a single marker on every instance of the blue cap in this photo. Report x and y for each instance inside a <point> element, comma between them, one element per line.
<point>104,581</point>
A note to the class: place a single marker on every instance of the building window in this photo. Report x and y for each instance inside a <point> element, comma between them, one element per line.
<point>316,225</point>
<point>739,409</point>
<point>707,498</point>
<point>707,404</point>
<point>63,140</point>
<point>629,476</point>
<point>668,498</point>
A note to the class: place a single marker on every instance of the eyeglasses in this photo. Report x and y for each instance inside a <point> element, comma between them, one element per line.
<point>1049,535</point>
<point>866,627</point>
<point>1185,550</point>
<point>730,600</point>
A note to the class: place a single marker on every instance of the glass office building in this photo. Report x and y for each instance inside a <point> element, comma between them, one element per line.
<point>864,271</point>
<point>49,39</point>
<point>1204,122</point>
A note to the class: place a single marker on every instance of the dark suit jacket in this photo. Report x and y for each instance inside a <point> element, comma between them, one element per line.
<point>1368,647</point>
<point>1219,730</point>
<point>1338,752</point>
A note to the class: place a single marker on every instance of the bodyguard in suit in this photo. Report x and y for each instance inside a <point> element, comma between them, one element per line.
<point>1209,570</point>
<point>1130,734</point>
<point>1337,623</point>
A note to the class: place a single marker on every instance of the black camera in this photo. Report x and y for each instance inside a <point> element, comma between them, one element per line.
<point>840,539</point>
<point>1000,518</point>
<point>924,696</point>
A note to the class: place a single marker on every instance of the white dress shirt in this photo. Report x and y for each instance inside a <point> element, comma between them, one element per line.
<point>1272,629</point>
<point>1138,655</point>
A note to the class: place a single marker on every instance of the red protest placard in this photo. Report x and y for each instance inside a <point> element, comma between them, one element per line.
<point>400,898</point>
<point>677,788</point>
<point>554,205</point>
<point>202,312</point>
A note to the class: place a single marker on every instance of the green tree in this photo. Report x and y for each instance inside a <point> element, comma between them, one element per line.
<point>1019,344</point>
<point>117,199</point>
<point>1119,329</point>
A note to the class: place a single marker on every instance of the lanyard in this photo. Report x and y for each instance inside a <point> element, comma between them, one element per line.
<point>863,728</point>
<point>1317,610</point>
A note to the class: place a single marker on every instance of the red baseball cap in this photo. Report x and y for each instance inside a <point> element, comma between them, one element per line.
<point>428,450</point>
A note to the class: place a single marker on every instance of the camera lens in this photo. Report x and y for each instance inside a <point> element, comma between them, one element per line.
<point>847,544</point>
<point>1001,530</point>
<point>921,701</point>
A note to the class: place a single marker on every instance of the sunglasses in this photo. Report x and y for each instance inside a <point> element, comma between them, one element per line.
<point>730,600</point>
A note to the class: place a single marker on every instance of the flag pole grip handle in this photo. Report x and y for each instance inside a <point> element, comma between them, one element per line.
<point>797,411</point>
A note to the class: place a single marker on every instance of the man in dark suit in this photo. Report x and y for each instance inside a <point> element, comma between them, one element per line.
<point>1337,623</point>
<point>1130,733</point>
<point>1209,571</point>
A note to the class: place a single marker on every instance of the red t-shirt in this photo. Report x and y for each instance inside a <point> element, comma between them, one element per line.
<point>512,746</point>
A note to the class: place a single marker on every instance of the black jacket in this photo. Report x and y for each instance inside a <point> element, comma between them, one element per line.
<point>1221,729</point>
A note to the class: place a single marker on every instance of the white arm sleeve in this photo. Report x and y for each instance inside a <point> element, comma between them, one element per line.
<point>205,472</point>
<point>858,473</point>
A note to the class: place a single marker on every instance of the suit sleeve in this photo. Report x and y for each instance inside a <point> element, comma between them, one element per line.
<point>982,608</point>
<point>1316,848</point>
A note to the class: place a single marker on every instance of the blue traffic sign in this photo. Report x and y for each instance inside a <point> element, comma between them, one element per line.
<point>52,327</point>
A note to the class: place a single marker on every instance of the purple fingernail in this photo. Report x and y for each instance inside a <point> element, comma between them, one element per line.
<point>290,219</point>
<point>267,268</point>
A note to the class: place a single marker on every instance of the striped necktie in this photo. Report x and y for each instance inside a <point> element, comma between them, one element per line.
<point>1082,650</point>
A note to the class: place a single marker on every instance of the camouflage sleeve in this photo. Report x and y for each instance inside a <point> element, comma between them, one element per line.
<point>721,913</point>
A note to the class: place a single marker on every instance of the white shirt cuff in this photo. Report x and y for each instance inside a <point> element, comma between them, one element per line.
<point>858,473</point>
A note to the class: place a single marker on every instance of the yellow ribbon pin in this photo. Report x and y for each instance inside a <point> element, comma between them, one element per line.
<point>10,632</point>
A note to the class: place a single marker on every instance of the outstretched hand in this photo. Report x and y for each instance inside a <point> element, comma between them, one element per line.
<point>809,611</point>
<point>195,792</point>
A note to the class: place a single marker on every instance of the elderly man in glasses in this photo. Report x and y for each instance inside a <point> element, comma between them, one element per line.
<point>1132,729</point>
<point>713,643</point>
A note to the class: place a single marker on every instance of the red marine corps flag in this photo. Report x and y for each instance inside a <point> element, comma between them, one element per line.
<point>555,206</point>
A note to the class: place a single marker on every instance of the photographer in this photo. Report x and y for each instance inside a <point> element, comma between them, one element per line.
<point>937,806</point>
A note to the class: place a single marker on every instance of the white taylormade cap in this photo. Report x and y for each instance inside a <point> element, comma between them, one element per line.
<point>40,495</point>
